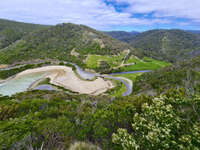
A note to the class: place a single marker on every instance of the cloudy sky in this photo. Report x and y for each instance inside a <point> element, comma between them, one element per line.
<point>125,15</point>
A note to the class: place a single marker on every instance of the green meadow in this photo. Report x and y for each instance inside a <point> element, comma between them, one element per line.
<point>115,61</point>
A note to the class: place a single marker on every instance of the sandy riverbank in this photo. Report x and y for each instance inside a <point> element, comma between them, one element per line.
<point>65,77</point>
<point>2,66</point>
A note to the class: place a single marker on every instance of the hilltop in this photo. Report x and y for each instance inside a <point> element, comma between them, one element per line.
<point>169,45</point>
<point>122,35</point>
<point>67,42</point>
<point>11,31</point>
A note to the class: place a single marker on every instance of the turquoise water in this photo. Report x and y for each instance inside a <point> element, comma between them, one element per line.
<point>20,84</point>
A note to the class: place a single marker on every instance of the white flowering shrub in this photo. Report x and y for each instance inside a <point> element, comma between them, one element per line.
<point>158,127</point>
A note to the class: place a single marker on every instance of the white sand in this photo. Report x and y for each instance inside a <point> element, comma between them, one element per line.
<point>2,66</point>
<point>65,77</point>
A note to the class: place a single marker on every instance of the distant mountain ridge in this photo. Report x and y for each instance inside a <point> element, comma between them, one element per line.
<point>22,41</point>
<point>122,35</point>
<point>194,31</point>
<point>168,45</point>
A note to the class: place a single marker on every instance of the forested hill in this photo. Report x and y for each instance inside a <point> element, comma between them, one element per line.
<point>62,42</point>
<point>184,74</point>
<point>11,31</point>
<point>169,45</point>
<point>194,31</point>
<point>122,35</point>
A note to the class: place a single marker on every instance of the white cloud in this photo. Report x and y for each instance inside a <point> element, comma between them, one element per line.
<point>188,9</point>
<point>94,13</point>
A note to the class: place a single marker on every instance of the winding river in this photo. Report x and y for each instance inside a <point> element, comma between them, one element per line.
<point>16,85</point>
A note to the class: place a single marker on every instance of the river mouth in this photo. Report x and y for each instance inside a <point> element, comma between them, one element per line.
<point>22,83</point>
<point>61,76</point>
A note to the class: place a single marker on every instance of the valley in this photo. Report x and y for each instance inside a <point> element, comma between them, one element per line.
<point>57,75</point>
<point>69,86</point>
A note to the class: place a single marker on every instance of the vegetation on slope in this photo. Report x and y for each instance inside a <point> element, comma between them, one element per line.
<point>163,125</point>
<point>59,41</point>
<point>11,31</point>
<point>107,64</point>
<point>182,75</point>
<point>123,35</point>
<point>54,120</point>
<point>169,45</point>
<point>194,31</point>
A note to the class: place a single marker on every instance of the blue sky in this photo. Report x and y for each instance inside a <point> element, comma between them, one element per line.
<point>127,15</point>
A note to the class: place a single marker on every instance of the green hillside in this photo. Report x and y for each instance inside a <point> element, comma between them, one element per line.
<point>56,120</point>
<point>182,75</point>
<point>169,45</point>
<point>67,42</point>
<point>11,31</point>
<point>123,35</point>
<point>106,63</point>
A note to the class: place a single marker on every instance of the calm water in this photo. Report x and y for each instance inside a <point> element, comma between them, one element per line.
<point>45,87</point>
<point>83,74</point>
<point>20,84</point>
<point>130,72</point>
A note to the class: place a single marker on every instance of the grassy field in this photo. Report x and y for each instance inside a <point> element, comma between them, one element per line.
<point>93,60</point>
<point>115,62</point>
<point>145,64</point>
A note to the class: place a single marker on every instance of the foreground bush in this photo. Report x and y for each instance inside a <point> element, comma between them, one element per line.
<point>83,146</point>
<point>160,127</point>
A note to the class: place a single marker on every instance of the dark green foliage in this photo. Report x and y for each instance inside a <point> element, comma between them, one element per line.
<point>194,31</point>
<point>182,75</point>
<point>122,35</point>
<point>8,73</point>
<point>169,122</point>
<point>61,119</point>
<point>104,67</point>
<point>168,45</point>
<point>57,42</point>
<point>56,120</point>
<point>11,31</point>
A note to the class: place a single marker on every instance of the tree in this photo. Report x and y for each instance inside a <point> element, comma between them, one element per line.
<point>157,127</point>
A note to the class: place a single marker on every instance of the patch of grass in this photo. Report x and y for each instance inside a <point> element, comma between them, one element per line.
<point>145,64</point>
<point>114,60</point>
<point>45,81</point>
